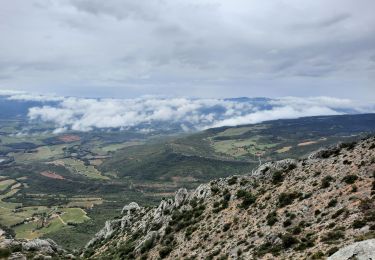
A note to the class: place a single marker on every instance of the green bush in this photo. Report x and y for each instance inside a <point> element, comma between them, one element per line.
<point>165,251</point>
<point>332,203</point>
<point>332,250</point>
<point>271,218</point>
<point>359,223</point>
<point>287,223</point>
<point>126,248</point>
<point>277,177</point>
<point>287,198</point>
<point>318,255</point>
<point>226,227</point>
<point>338,213</point>
<point>232,180</point>
<point>296,230</point>
<point>247,198</point>
<point>215,189</point>
<point>147,245</point>
<point>350,179</point>
<point>326,182</point>
<point>288,240</point>
<point>333,236</point>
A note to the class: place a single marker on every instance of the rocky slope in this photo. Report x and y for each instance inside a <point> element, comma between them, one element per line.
<point>22,249</point>
<point>305,209</point>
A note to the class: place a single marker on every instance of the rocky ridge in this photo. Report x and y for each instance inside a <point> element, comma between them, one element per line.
<point>20,249</point>
<point>290,209</point>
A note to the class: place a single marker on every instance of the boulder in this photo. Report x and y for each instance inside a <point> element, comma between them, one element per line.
<point>131,208</point>
<point>109,228</point>
<point>40,245</point>
<point>202,192</point>
<point>180,197</point>
<point>269,167</point>
<point>17,256</point>
<point>364,250</point>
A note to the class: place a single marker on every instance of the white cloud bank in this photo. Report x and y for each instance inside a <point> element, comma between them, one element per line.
<point>85,114</point>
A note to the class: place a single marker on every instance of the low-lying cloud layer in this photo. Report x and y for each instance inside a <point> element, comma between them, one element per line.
<point>84,114</point>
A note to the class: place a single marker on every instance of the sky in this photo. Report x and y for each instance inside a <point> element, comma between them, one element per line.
<point>189,48</point>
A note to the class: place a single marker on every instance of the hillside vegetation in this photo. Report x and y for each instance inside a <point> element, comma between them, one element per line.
<point>290,209</point>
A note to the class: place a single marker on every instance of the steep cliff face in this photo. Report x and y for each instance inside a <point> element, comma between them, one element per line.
<point>305,209</point>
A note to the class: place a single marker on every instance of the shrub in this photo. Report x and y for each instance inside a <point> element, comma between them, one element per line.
<point>296,230</point>
<point>287,223</point>
<point>126,249</point>
<point>333,236</point>
<point>332,250</point>
<point>332,203</point>
<point>190,230</point>
<point>348,146</point>
<point>350,179</point>
<point>165,251</point>
<point>243,182</point>
<point>168,229</point>
<point>287,198</point>
<point>338,213</point>
<point>288,240</point>
<point>147,245</point>
<point>215,189</point>
<point>326,182</point>
<point>277,177</point>
<point>318,255</point>
<point>232,180</point>
<point>359,223</point>
<point>168,239</point>
<point>247,198</point>
<point>226,227</point>
<point>156,226</point>
<point>268,248</point>
<point>226,195</point>
<point>271,218</point>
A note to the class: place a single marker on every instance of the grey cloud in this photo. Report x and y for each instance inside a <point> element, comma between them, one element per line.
<point>327,22</point>
<point>83,114</point>
<point>211,48</point>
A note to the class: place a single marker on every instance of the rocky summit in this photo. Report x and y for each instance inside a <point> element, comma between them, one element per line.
<point>313,208</point>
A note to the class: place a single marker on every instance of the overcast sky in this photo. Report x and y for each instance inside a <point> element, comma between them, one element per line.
<point>196,48</point>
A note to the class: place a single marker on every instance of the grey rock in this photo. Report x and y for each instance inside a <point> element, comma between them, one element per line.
<point>42,257</point>
<point>269,167</point>
<point>180,197</point>
<point>163,206</point>
<point>364,250</point>
<point>10,243</point>
<point>150,237</point>
<point>202,192</point>
<point>109,228</point>
<point>40,245</point>
<point>131,208</point>
<point>17,256</point>
<point>70,256</point>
